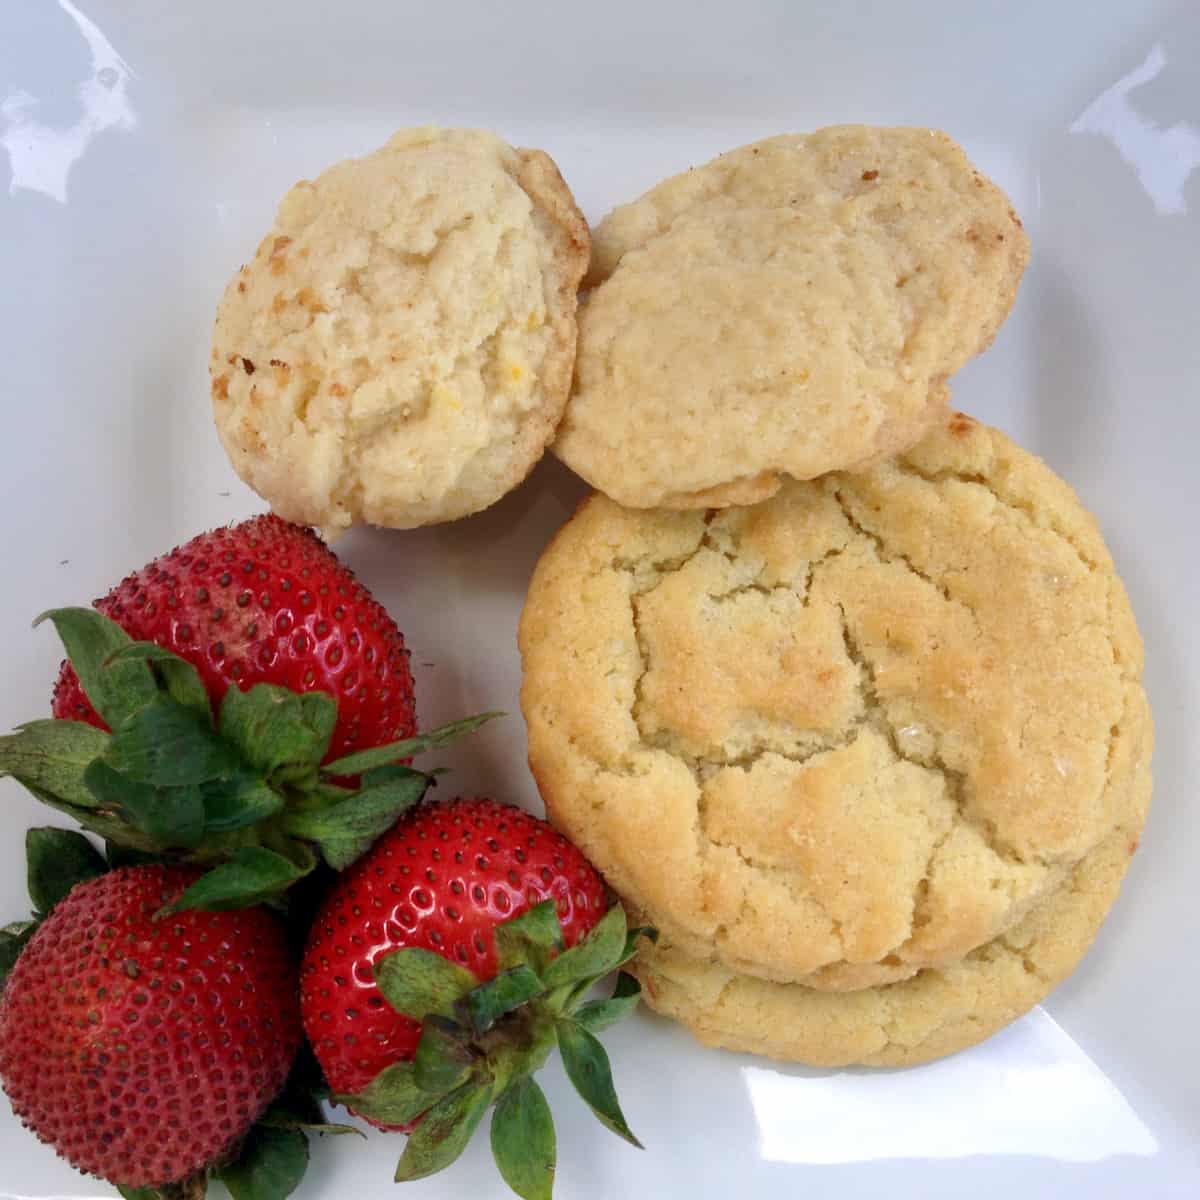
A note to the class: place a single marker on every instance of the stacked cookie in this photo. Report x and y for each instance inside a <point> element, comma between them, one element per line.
<point>839,690</point>
<point>791,308</point>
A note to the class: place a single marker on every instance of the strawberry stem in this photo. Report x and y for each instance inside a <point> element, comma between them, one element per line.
<point>247,793</point>
<point>482,1042</point>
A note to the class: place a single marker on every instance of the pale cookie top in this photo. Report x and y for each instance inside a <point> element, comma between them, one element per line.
<point>792,307</point>
<point>936,1012</point>
<point>858,729</point>
<point>400,349</point>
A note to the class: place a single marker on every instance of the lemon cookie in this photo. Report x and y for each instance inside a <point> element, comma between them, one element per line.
<point>860,729</point>
<point>792,307</point>
<point>937,1012</point>
<point>399,351</point>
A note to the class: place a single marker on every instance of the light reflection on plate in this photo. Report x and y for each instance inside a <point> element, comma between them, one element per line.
<point>1030,1090</point>
<point>1163,156</point>
<point>41,156</point>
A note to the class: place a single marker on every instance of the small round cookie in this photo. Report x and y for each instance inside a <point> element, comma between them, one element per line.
<point>399,351</point>
<point>857,730</point>
<point>792,307</point>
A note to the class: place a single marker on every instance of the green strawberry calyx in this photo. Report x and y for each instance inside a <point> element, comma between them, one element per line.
<point>242,791</point>
<point>55,861</point>
<point>481,1044</point>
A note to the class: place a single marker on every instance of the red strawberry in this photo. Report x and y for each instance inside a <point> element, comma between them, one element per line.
<point>143,1049</point>
<point>444,966</point>
<point>249,685</point>
<point>443,878</point>
<point>267,602</point>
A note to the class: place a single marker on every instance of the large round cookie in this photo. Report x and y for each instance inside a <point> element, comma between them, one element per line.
<point>937,1012</point>
<point>860,729</point>
<point>792,307</point>
<point>399,351</point>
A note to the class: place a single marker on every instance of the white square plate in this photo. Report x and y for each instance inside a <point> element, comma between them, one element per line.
<point>145,145</point>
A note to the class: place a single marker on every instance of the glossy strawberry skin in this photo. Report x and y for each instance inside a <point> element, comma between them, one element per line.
<point>142,1050</point>
<point>267,602</point>
<point>442,878</point>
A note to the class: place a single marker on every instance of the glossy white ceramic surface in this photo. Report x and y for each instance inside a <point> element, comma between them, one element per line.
<point>143,148</point>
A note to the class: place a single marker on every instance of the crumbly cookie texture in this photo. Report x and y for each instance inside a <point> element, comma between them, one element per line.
<point>400,349</point>
<point>937,1012</point>
<point>859,730</point>
<point>792,307</point>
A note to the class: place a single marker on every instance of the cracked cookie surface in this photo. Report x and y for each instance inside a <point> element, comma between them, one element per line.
<point>399,350</point>
<point>937,1012</point>
<point>791,308</point>
<point>856,732</point>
